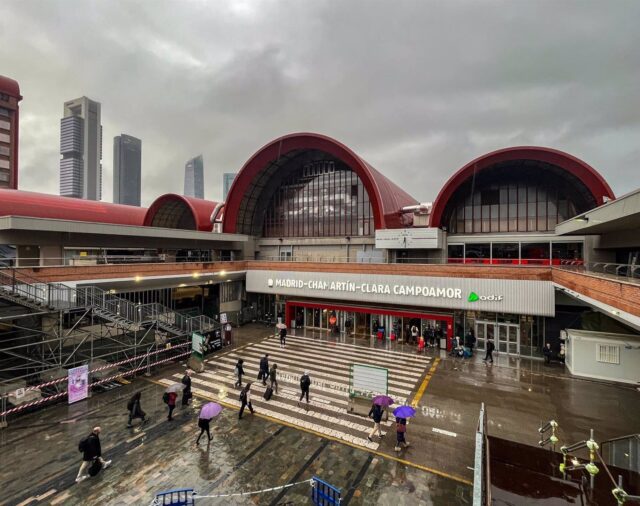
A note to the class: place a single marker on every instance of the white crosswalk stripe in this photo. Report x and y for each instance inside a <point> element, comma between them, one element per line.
<point>329,367</point>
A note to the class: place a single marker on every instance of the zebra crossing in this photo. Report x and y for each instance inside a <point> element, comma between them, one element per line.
<point>328,364</point>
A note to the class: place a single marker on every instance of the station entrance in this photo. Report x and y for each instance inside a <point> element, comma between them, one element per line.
<point>383,323</point>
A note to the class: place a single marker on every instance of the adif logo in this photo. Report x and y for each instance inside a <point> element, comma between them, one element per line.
<point>474,297</point>
<point>270,283</point>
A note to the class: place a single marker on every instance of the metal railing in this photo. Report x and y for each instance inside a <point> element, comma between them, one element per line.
<point>481,467</point>
<point>628,271</point>
<point>622,452</point>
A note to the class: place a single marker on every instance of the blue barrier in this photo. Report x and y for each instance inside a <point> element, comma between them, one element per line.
<point>177,497</point>
<point>323,494</point>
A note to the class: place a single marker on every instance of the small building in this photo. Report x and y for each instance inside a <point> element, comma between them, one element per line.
<point>603,355</point>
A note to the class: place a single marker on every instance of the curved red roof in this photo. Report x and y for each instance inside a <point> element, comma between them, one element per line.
<point>592,180</point>
<point>177,211</point>
<point>42,205</point>
<point>9,86</point>
<point>386,198</point>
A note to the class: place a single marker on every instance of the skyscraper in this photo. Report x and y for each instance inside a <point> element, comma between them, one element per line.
<point>227,181</point>
<point>81,150</point>
<point>9,98</point>
<point>194,178</point>
<point>127,163</point>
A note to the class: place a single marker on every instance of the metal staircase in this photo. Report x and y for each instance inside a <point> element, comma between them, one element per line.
<point>28,291</point>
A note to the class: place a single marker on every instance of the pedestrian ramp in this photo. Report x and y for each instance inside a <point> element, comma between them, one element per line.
<point>328,365</point>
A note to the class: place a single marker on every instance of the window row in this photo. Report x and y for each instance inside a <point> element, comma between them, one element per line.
<point>540,253</point>
<point>314,203</point>
<point>511,208</point>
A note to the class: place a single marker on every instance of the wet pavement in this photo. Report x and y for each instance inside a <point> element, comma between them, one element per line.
<point>39,456</point>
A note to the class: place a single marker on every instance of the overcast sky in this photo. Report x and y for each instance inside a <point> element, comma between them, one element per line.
<point>415,88</point>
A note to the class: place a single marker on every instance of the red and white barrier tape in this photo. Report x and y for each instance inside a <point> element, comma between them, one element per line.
<point>105,380</point>
<point>108,366</point>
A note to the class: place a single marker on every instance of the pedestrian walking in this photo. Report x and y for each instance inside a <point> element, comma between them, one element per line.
<point>490,348</point>
<point>401,431</point>
<point>239,371</point>
<point>376,413</point>
<point>414,334</point>
<point>245,399</point>
<point>470,340</point>
<point>305,383</point>
<point>548,353</point>
<point>135,409</point>
<point>91,451</point>
<point>186,392</point>
<point>283,337</point>
<point>263,374</point>
<point>273,378</point>
<point>203,423</point>
<point>170,398</point>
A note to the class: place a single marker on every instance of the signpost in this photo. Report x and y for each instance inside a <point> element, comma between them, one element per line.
<point>78,383</point>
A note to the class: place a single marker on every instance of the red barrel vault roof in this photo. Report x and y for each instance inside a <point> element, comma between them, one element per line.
<point>42,205</point>
<point>177,211</point>
<point>589,176</point>
<point>9,86</point>
<point>385,196</point>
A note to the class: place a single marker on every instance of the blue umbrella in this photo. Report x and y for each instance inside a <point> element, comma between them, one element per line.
<point>404,412</point>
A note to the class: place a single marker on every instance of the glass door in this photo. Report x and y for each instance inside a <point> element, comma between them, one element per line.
<point>502,338</point>
<point>484,332</point>
<point>513,340</point>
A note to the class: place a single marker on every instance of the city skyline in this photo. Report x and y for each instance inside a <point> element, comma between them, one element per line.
<point>485,85</point>
<point>227,181</point>
<point>127,170</point>
<point>194,177</point>
<point>81,149</point>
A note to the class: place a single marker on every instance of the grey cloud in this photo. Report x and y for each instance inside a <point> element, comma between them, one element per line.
<point>416,88</point>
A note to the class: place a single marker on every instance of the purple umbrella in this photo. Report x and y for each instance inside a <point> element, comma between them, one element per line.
<point>209,410</point>
<point>382,400</point>
<point>404,412</point>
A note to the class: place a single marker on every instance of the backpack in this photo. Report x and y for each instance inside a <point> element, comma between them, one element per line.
<point>305,381</point>
<point>82,445</point>
<point>236,371</point>
<point>165,397</point>
<point>243,395</point>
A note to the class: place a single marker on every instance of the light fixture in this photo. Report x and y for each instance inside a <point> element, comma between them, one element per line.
<point>196,275</point>
<point>112,291</point>
<point>582,218</point>
<point>137,279</point>
<point>222,273</point>
<point>182,285</point>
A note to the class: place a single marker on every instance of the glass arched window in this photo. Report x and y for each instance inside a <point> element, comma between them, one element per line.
<point>320,199</point>
<point>522,200</point>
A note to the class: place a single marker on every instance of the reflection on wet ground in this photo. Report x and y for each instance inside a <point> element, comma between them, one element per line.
<point>39,457</point>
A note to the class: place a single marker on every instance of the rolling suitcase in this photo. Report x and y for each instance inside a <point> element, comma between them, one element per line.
<point>268,392</point>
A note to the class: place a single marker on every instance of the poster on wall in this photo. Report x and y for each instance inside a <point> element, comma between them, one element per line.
<point>197,345</point>
<point>78,383</point>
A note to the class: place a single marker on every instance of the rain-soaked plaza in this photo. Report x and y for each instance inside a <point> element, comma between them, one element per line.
<point>283,444</point>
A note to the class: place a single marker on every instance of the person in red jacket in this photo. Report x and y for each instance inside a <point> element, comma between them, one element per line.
<point>171,402</point>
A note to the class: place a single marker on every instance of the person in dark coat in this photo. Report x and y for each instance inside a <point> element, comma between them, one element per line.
<point>239,372</point>
<point>264,369</point>
<point>91,450</point>
<point>171,402</point>
<point>186,392</point>
<point>283,337</point>
<point>376,413</point>
<point>548,353</point>
<point>490,347</point>
<point>203,423</point>
<point>305,383</point>
<point>245,400</point>
<point>273,378</point>
<point>135,409</point>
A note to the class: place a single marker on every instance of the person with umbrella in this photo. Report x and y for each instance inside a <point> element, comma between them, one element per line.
<point>170,396</point>
<point>377,409</point>
<point>239,370</point>
<point>208,411</point>
<point>402,413</point>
